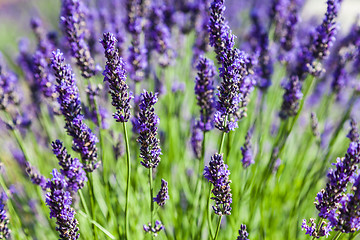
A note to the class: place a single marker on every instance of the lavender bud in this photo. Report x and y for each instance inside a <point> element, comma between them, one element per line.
<point>74,28</point>
<point>324,229</point>
<point>197,136</point>
<point>204,90</point>
<point>115,75</point>
<point>217,173</point>
<point>156,229</point>
<point>36,177</point>
<point>4,219</point>
<point>150,150</point>
<point>162,195</point>
<point>353,134</point>
<point>72,169</point>
<point>59,202</point>
<point>243,234</point>
<point>84,141</point>
<point>246,150</point>
<point>291,98</point>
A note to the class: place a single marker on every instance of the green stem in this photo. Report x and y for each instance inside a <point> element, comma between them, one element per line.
<point>92,203</point>
<point>151,199</point>
<point>127,181</point>
<point>218,227</point>
<point>337,236</point>
<point>199,182</point>
<point>222,142</point>
<point>83,202</point>
<point>209,214</point>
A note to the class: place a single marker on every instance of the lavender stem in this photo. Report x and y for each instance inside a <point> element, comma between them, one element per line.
<point>151,199</point>
<point>218,227</point>
<point>337,236</point>
<point>127,181</point>
<point>209,213</point>
<point>83,202</point>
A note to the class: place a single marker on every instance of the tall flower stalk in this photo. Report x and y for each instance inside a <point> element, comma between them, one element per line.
<point>115,75</point>
<point>150,150</point>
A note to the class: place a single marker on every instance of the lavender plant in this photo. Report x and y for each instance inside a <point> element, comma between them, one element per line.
<point>261,89</point>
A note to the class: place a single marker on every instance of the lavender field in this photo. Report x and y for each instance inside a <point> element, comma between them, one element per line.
<point>190,119</point>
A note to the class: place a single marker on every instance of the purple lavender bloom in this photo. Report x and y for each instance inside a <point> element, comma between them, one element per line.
<point>43,76</point>
<point>115,75</point>
<point>36,177</point>
<point>324,229</point>
<point>217,173</point>
<point>325,33</point>
<point>236,67</point>
<point>59,202</point>
<point>45,45</point>
<point>338,179</point>
<point>155,230</point>
<point>150,150</point>
<point>243,234</point>
<point>158,35</point>
<point>4,219</point>
<point>246,150</point>
<point>84,141</point>
<point>197,136</point>
<point>204,90</point>
<point>353,134</point>
<point>291,98</point>
<point>137,56</point>
<point>74,28</point>
<point>259,38</point>
<point>8,86</point>
<point>163,194</point>
<point>288,36</point>
<point>348,218</point>
<point>201,44</point>
<point>72,169</point>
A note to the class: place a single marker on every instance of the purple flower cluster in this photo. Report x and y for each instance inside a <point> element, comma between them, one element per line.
<point>338,179</point>
<point>201,44</point>
<point>8,86</point>
<point>74,28</point>
<point>246,150</point>
<point>115,75</point>
<point>243,234</point>
<point>204,90</point>
<point>72,169</point>
<point>311,230</point>
<point>84,141</point>
<point>163,194</point>
<point>43,76</point>
<point>236,67</point>
<point>197,136</point>
<point>4,220</point>
<point>353,134</point>
<point>218,174</point>
<point>156,229</point>
<point>35,176</point>
<point>137,56</point>
<point>347,219</point>
<point>157,34</point>
<point>291,98</point>
<point>59,201</point>
<point>150,150</point>
<point>288,34</point>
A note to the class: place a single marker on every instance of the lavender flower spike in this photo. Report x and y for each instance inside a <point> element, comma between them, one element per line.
<point>72,169</point>
<point>246,151</point>
<point>197,136</point>
<point>204,90</point>
<point>35,176</point>
<point>291,98</point>
<point>59,202</point>
<point>150,150</point>
<point>236,67</point>
<point>353,134</point>
<point>218,174</point>
<point>243,234</point>
<point>84,141</point>
<point>163,195</point>
<point>338,179</point>
<point>73,25</point>
<point>115,75</point>
<point>4,220</point>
